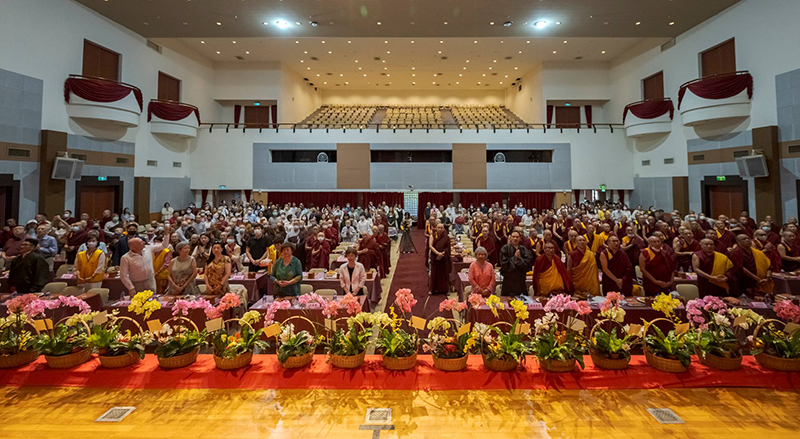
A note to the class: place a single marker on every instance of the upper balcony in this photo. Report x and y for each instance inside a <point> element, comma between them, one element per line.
<point>649,118</point>
<point>716,98</point>
<point>173,118</point>
<point>103,99</point>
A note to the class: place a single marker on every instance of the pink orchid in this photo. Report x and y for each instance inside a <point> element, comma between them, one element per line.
<point>351,304</point>
<point>787,311</point>
<point>405,300</point>
<point>331,309</point>
<point>182,307</point>
<point>452,304</point>
<point>561,303</point>
<point>584,308</point>
<point>476,300</point>
<point>613,299</point>
<point>19,303</point>
<point>38,306</point>
<point>273,307</point>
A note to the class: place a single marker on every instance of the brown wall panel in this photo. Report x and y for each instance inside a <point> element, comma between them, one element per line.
<point>563,198</point>
<point>141,198</point>
<point>768,189</point>
<point>790,149</point>
<point>5,154</point>
<point>352,165</point>
<point>51,192</point>
<point>469,166</point>
<point>680,193</point>
<point>725,155</point>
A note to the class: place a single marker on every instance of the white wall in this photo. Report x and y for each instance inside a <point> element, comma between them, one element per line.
<point>766,35</point>
<point>527,103</point>
<point>576,80</point>
<point>297,98</point>
<point>250,81</point>
<point>413,97</point>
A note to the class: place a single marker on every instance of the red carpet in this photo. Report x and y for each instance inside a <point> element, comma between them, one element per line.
<point>266,373</point>
<point>411,273</point>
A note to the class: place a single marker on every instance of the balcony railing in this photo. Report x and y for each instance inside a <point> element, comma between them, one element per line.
<point>378,127</point>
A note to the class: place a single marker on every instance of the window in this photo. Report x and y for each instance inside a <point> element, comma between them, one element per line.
<point>301,156</point>
<point>177,164</point>
<point>169,88</point>
<point>719,59</point>
<point>100,62</point>
<point>417,156</point>
<point>669,161</point>
<point>645,162</point>
<point>411,202</point>
<point>653,86</point>
<point>152,163</point>
<point>522,155</point>
<point>568,117</point>
<point>256,115</point>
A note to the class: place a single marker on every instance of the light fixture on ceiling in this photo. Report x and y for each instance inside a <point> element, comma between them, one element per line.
<point>308,68</point>
<point>490,68</point>
<point>323,41</point>
<point>638,23</point>
<point>508,23</point>
<point>672,23</point>
<point>317,74</point>
<point>491,23</point>
<point>457,83</point>
<point>356,60</point>
<point>247,52</point>
<point>460,74</point>
<point>467,60</point>
<point>330,51</point>
<point>348,41</point>
<point>516,68</point>
<point>379,23</point>
<point>296,42</point>
<point>219,24</point>
<point>283,24</point>
<point>298,23</point>
<point>479,82</point>
<point>365,74</point>
<point>445,23</point>
<point>202,42</point>
<point>603,52</point>
<point>305,51</point>
<point>565,41</point>
<point>324,83</point>
<point>346,83</point>
<point>314,24</point>
<point>529,41</point>
<point>441,42</point>
<point>540,24</point>
<point>383,60</point>
<point>217,52</point>
<point>558,23</point>
<point>412,41</point>
<point>484,74</point>
<point>501,82</point>
<point>266,23</point>
<point>302,60</point>
<point>554,51</point>
<point>440,51</point>
<point>388,52</point>
<point>413,83</point>
<point>494,60</point>
<point>359,68</point>
<point>341,74</point>
<point>413,74</point>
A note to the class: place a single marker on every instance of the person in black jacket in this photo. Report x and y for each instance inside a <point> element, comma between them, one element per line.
<point>515,261</point>
<point>28,272</point>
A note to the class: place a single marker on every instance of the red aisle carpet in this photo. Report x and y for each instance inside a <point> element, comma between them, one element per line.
<point>411,273</point>
<point>266,373</point>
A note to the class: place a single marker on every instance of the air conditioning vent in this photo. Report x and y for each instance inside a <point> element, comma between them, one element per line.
<point>699,157</point>
<point>314,58</point>
<point>154,46</point>
<point>79,156</point>
<point>122,160</point>
<point>509,57</point>
<point>322,157</point>
<point>176,164</point>
<point>329,74</point>
<point>794,149</point>
<point>742,153</point>
<point>499,158</point>
<point>240,58</point>
<point>18,152</point>
<point>152,163</point>
<point>669,44</point>
<point>444,58</point>
<point>645,162</point>
<point>377,58</point>
<point>669,161</point>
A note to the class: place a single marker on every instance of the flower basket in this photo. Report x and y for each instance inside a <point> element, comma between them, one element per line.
<point>609,363</point>
<point>663,364</point>
<point>558,366</point>
<point>348,361</point>
<point>299,361</point>
<point>450,364</point>
<point>179,360</point>
<point>720,363</point>
<point>402,363</point>
<point>118,361</point>
<point>69,360</point>
<point>499,365</point>
<point>778,363</point>
<point>233,363</point>
<point>18,359</point>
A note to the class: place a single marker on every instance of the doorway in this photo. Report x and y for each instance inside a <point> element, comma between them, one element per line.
<point>93,196</point>
<point>728,197</point>
<point>9,197</point>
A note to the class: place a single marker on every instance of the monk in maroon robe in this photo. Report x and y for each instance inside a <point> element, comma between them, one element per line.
<point>441,265</point>
<point>631,243</point>
<point>616,267</point>
<point>546,281</point>
<point>657,268</point>
<point>725,236</point>
<point>309,245</point>
<point>762,242</point>
<point>383,240</point>
<point>487,241</point>
<point>746,269</point>
<point>368,252</point>
<point>685,247</point>
<point>320,252</point>
<point>331,235</point>
<point>790,253</point>
<point>710,284</point>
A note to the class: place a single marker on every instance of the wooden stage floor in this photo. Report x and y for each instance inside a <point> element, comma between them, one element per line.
<point>708,413</point>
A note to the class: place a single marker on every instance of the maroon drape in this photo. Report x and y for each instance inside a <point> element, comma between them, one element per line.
<point>550,112</point>
<point>319,199</point>
<point>98,90</point>
<point>577,193</point>
<point>204,193</point>
<point>476,198</point>
<point>649,109</point>
<point>621,193</point>
<point>376,198</point>
<point>718,87</point>
<point>588,110</point>
<point>170,111</point>
<point>437,198</point>
<point>237,115</point>
<point>247,193</point>
<point>274,110</point>
<point>532,200</point>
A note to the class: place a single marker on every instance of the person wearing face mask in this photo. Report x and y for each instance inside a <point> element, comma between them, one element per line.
<point>368,252</point>
<point>256,248</point>
<point>28,271</point>
<point>753,269</point>
<point>320,252</point>
<point>761,242</point>
<point>90,265</point>
<point>331,234</point>
<point>111,224</point>
<point>77,236</point>
<point>122,247</point>
<point>234,251</point>
<point>703,221</point>
<point>348,233</point>
<point>790,253</point>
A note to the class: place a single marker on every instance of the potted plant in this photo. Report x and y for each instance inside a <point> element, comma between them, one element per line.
<point>144,303</point>
<point>398,348</point>
<point>347,347</point>
<point>670,352</point>
<point>234,349</point>
<point>16,342</point>
<point>558,342</point>
<point>178,343</point>
<point>717,341</point>
<point>295,349</point>
<point>450,349</point>
<point>503,351</point>
<point>63,345</point>
<point>608,349</point>
<point>116,348</point>
<point>774,348</point>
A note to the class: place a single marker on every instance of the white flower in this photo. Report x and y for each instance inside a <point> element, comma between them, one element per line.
<point>542,325</point>
<point>287,333</point>
<point>721,320</point>
<point>166,329</point>
<point>480,328</point>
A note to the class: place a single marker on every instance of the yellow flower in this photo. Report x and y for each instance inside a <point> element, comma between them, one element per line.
<point>666,304</point>
<point>520,309</point>
<point>493,302</point>
<point>438,323</point>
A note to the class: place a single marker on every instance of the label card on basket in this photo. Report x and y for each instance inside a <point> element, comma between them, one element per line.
<point>682,328</point>
<point>417,323</point>
<point>330,325</point>
<point>214,325</point>
<point>635,329</point>
<point>39,324</point>
<point>524,328</point>
<point>578,325</point>
<point>272,330</point>
<point>463,329</point>
<point>739,320</point>
<point>101,318</point>
<point>154,325</point>
<point>790,328</point>
<point>48,323</point>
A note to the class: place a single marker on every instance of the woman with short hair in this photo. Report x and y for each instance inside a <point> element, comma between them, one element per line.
<point>287,272</point>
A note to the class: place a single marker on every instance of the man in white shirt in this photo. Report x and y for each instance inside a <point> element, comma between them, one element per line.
<point>364,226</point>
<point>136,267</point>
<point>527,219</point>
<point>348,233</point>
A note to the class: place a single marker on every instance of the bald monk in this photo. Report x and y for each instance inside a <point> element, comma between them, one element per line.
<point>595,242</point>
<point>657,268</point>
<point>582,267</point>
<point>632,244</point>
<point>617,268</point>
<point>725,236</point>
<point>569,245</point>
<point>790,253</point>
<point>715,271</point>
<point>439,246</point>
<point>761,242</point>
<point>486,240</point>
<point>550,276</point>
<point>719,246</point>
<point>368,252</point>
<point>685,247</point>
<point>753,269</point>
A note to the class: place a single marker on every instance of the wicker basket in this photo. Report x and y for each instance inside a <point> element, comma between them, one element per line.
<point>402,363</point>
<point>450,364</point>
<point>178,361</point>
<point>296,362</point>
<point>778,363</point>
<point>19,359</point>
<point>609,363</point>
<point>720,363</point>
<point>663,364</point>
<point>69,360</point>
<point>499,365</point>
<point>118,361</point>
<point>233,363</point>
<point>558,366</point>
<point>347,361</point>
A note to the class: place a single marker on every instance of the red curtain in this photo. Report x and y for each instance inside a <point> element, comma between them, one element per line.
<point>476,198</point>
<point>550,112</point>
<point>588,110</point>
<point>247,193</point>
<point>532,200</point>
<point>237,115</point>
<point>621,193</point>
<point>319,199</point>
<point>170,111</point>
<point>437,198</point>
<point>274,110</point>
<point>100,90</point>
<point>204,193</point>
<point>719,87</point>
<point>649,109</point>
<point>391,198</point>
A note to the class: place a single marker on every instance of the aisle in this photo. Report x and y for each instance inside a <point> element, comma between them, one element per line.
<point>410,272</point>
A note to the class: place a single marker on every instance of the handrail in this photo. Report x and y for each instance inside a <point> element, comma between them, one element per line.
<point>720,75</point>
<point>169,101</point>
<point>97,78</point>
<point>644,101</point>
<point>395,127</point>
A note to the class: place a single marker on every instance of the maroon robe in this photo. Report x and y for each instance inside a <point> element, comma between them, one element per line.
<point>370,259</point>
<point>543,264</point>
<point>320,259</point>
<point>383,241</point>
<point>332,237</point>
<point>660,268</point>
<point>309,242</point>
<point>622,229</point>
<point>773,254</point>
<point>488,243</point>
<point>698,234</point>
<point>685,262</point>
<point>620,266</point>
<point>727,238</point>
<point>633,252</point>
<point>792,250</point>
<point>706,263</point>
<point>441,267</point>
<point>742,259</point>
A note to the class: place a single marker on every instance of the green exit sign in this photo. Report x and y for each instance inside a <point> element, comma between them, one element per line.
<point>721,178</point>
<point>604,187</point>
<point>102,178</point>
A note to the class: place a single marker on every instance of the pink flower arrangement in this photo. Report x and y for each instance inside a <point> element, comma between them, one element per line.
<point>405,300</point>
<point>452,304</point>
<point>351,304</point>
<point>476,300</point>
<point>273,307</point>
<point>228,301</point>
<point>584,308</point>
<point>613,299</point>
<point>698,310</point>
<point>561,303</point>
<point>19,303</point>
<point>787,311</point>
<point>310,298</point>
<point>331,309</point>
<point>38,306</point>
<point>182,306</point>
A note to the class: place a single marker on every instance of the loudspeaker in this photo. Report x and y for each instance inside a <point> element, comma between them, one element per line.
<point>752,166</point>
<point>67,169</point>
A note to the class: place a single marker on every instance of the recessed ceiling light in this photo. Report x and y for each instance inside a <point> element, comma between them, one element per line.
<point>412,41</point>
<point>413,74</point>
<point>379,23</point>
<point>465,68</point>
<point>388,74</point>
<point>479,83</point>
<point>282,24</point>
<point>494,60</point>
<point>515,68</point>
<point>386,42</point>
<point>434,82</point>
<point>565,41</point>
<point>297,23</point>
<point>330,51</point>
<point>413,83</point>
<point>387,52</point>
<point>341,74</point>
<point>672,23</point>
<point>386,68</point>
<point>540,24</point>
<point>359,68</point>
<point>308,68</point>
<point>305,51</point>
<point>638,23</point>
<point>266,23</point>
<point>219,24</point>
<point>460,74</point>
<point>603,52</point>
<point>323,41</point>
<point>441,42</point>
<point>326,82</point>
<point>315,24</point>
<point>490,68</point>
<point>317,74</point>
<point>445,23</point>
<point>202,42</point>
<point>146,23</point>
<point>484,74</point>
<point>296,42</point>
<point>301,60</point>
<point>440,51</point>
<point>508,23</point>
<point>554,51</point>
<point>217,52</point>
<point>356,60</point>
<point>365,74</point>
<point>558,23</point>
<point>383,60</point>
<point>529,41</point>
<point>501,82</point>
<point>506,76</point>
<point>457,82</point>
<point>346,83</point>
<point>501,41</point>
<point>349,42</point>
<point>467,60</point>
<point>476,41</point>
<point>491,23</point>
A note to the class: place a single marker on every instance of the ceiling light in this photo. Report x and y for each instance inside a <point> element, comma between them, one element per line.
<point>457,82</point>
<point>412,41</point>
<point>323,41</point>
<point>434,82</point>
<point>672,23</point>
<point>490,68</point>
<point>413,68</point>
<point>281,24</point>
<point>638,23</point>
<point>479,83</point>
<point>385,42</point>
<point>305,51</point>
<point>465,68</point>
<point>484,74</point>
<point>297,23</point>
<point>445,23</point>
<point>296,42</point>
<point>494,61</point>
<point>555,51</point>
<point>603,52</point>
<point>219,24</point>
<point>441,42</point>
<point>346,83</point>
<point>301,60</point>
<point>308,68</point>
<point>515,68</point>
<point>387,52</point>
<point>508,23</point>
<point>217,52</point>
<point>506,76</point>
<point>565,41</point>
<point>359,68</point>
<point>383,60</point>
<point>314,24</point>
<point>467,60</point>
<point>202,42</point>
<point>476,41</point>
<point>386,68</point>
<point>324,83</point>
<point>349,42</point>
<point>413,83</point>
<point>330,51</point>
<point>540,24</point>
<point>491,23</point>
<point>460,74</point>
<point>388,74</point>
<point>529,41</point>
<point>365,74</point>
<point>379,23</point>
<point>501,41</point>
<point>440,51</point>
<point>317,74</point>
<point>501,82</point>
<point>413,74</point>
<point>558,23</point>
<point>356,60</point>
<point>266,23</point>
<point>247,52</point>
<point>340,74</point>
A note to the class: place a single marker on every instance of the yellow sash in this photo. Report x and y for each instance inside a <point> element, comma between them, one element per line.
<point>598,242</point>
<point>651,253</point>
<point>762,267</point>
<point>550,281</point>
<point>88,265</point>
<point>570,247</point>
<point>584,276</point>
<point>719,235</point>
<point>158,262</point>
<point>721,266</point>
<point>625,240</point>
